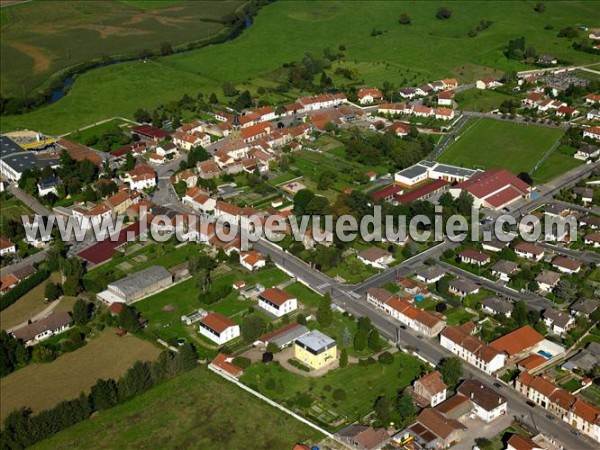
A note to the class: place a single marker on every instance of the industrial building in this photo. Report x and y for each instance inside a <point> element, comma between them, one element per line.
<point>137,285</point>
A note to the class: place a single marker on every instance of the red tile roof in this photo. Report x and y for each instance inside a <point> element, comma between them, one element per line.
<point>532,361</point>
<point>103,251</point>
<point>276,296</point>
<point>421,192</point>
<point>518,340</point>
<point>483,184</point>
<point>386,192</point>
<point>217,322</point>
<point>224,363</point>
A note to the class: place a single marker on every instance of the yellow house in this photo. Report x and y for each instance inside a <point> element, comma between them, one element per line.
<point>315,349</point>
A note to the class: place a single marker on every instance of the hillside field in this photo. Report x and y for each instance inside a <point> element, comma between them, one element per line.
<point>195,410</point>
<point>284,31</point>
<point>43,385</point>
<point>490,143</point>
<point>42,38</point>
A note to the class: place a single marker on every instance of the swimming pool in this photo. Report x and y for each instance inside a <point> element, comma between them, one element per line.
<point>419,298</point>
<point>545,354</point>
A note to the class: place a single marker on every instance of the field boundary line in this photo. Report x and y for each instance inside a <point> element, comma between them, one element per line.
<point>460,135</point>
<point>276,405</point>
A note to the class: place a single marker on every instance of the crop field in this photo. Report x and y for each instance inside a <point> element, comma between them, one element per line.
<point>27,306</point>
<point>493,143</point>
<point>195,410</point>
<point>427,49</point>
<point>41,386</point>
<point>42,38</point>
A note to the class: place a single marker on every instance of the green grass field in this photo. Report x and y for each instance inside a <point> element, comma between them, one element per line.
<point>490,143</point>
<point>195,410</point>
<point>362,384</point>
<point>12,208</point>
<point>426,49</point>
<point>42,38</point>
<point>481,100</point>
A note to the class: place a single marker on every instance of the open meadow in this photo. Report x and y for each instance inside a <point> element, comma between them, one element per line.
<point>42,38</point>
<point>284,31</point>
<point>197,409</point>
<point>490,143</point>
<point>41,386</point>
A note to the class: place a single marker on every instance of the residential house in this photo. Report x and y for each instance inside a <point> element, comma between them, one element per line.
<point>252,260</point>
<point>187,141</point>
<point>218,328</point>
<point>593,114</point>
<point>227,212</point>
<point>379,297</point>
<point>120,202</point>
<point>408,93</point>
<point>7,282</point>
<point>592,239</point>
<point>199,200</point>
<point>575,411</point>
<point>558,322</point>
<point>42,329</point>
<point>471,256</point>
<point>519,342</point>
<point>566,265</point>
<point>547,59</point>
<point>224,365</point>
<point>375,257</point>
<point>431,387</point>
<point>518,442</point>
<point>188,176</point>
<point>142,176</point>
<point>487,83</point>
<point>366,96</point>
<point>567,112</point>
<point>362,437</point>
<point>321,237</point>
<point>48,185</point>
<point>494,306</point>
<point>208,170</point>
<point>462,287</point>
<point>393,108</point>
<point>277,302</point>
<point>592,99</point>
<point>592,133</point>
<point>481,355</point>
<point>586,195</point>
<point>315,349</point>
<point>584,307</point>
<point>166,148</point>
<point>529,251</point>
<point>444,113</point>
<point>489,405</point>
<point>430,275</point>
<point>322,101</point>
<point>503,269</point>
<point>445,98</point>
<point>401,129</point>
<point>433,430</point>
<point>7,246</point>
<point>547,280</point>
<point>423,322</point>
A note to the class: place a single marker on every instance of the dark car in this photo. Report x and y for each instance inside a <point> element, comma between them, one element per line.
<point>498,385</point>
<point>530,404</point>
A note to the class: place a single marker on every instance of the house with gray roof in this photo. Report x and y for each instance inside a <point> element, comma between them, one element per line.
<point>584,306</point>
<point>495,305</point>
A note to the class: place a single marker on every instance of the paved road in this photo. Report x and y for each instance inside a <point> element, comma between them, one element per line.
<point>448,138</point>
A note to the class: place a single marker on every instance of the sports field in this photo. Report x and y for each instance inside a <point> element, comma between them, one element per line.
<point>490,143</point>
<point>41,386</point>
<point>42,38</point>
<point>195,410</point>
<point>284,31</point>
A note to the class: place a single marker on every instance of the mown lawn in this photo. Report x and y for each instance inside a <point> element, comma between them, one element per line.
<point>198,409</point>
<point>490,143</point>
<point>362,384</point>
<point>428,49</point>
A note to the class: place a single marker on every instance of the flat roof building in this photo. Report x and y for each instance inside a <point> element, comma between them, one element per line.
<point>139,284</point>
